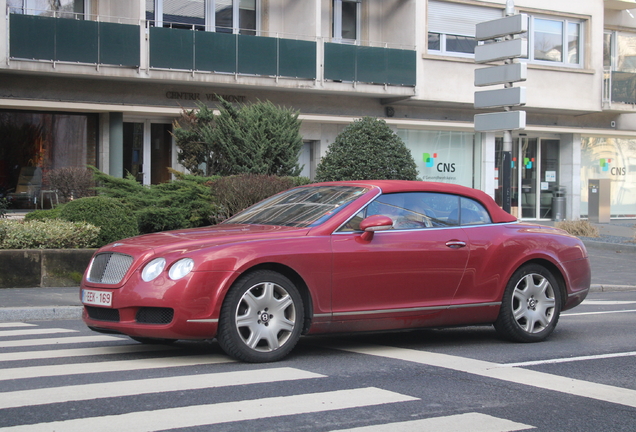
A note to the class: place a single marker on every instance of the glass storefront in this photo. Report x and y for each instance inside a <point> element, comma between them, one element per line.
<point>36,143</point>
<point>441,156</point>
<point>534,176</point>
<point>614,159</point>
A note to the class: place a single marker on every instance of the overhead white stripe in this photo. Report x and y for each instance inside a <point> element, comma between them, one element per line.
<point>146,386</point>
<point>201,415</point>
<point>571,359</point>
<point>34,332</point>
<point>15,324</point>
<point>473,422</point>
<point>81,352</point>
<point>617,395</point>
<point>57,341</point>
<point>595,313</point>
<point>110,366</point>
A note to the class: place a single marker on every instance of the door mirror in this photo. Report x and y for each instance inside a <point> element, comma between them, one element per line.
<point>375,223</point>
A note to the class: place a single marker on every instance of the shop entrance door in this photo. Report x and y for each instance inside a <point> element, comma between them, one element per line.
<point>148,151</point>
<point>535,175</point>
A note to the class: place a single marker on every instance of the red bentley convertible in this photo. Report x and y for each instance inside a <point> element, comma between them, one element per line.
<point>334,257</point>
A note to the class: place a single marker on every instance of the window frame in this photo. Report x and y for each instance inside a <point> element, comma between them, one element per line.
<point>336,29</point>
<point>531,36</point>
<point>209,16</point>
<point>27,5</point>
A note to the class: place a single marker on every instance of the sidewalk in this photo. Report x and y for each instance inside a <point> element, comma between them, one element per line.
<point>612,256</point>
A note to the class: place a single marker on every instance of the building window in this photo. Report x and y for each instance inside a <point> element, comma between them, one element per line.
<point>224,16</point>
<point>451,27</point>
<point>555,41</point>
<point>59,8</point>
<point>346,21</point>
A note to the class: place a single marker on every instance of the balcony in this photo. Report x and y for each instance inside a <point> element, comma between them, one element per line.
<point>43,38</point>
<point>69,40</point>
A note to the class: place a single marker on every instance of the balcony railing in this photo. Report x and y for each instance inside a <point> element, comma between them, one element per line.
<point>619,87</point>
<point>106,43</point>
<point>71,40</point>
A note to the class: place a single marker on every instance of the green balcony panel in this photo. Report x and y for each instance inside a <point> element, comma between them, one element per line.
<point>76,41</point>
<point>297,58</point>
<point>119,44</point>
<point>32,37</point>
<point>402,66</point>
<point>171,48</point>
<point>215,52</point>
<point>372,65</point>
<point>340,62</point>
<point>257,55</point>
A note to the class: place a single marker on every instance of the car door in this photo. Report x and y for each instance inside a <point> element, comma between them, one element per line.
<point>414,268</point>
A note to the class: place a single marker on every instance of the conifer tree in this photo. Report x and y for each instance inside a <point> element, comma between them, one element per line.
<point>260,138</point>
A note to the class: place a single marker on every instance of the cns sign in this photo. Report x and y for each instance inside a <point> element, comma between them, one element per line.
<point>431,161</point>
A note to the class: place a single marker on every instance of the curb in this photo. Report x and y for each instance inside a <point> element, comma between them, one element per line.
<point>617,247</point>
<point>610,288</point>
<point>40,313</point>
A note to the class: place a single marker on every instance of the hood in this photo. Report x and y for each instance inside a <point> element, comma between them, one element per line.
<point>199,238</point>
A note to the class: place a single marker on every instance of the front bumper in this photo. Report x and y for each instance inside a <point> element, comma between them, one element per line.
<point>185,309</point>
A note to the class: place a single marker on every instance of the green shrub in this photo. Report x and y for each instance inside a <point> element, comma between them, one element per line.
<point>367,150</point>
<point>41,215</point>
<point>51,234</point>
<point>235,193</point>
<point>154,219</point>
<point>188,194</point>
<point>115,220</point>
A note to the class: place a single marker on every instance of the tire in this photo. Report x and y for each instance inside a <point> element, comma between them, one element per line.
<point>261,318</point>
<point>530,306</point>
<point>153,341</point>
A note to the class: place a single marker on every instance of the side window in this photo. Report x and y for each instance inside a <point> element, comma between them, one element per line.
<point>413,210</point>
<point>473,213</point>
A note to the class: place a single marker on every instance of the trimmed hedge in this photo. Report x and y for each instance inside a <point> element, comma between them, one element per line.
<point>367,149</point>
<point>115,219</point>
<point>51,234</point>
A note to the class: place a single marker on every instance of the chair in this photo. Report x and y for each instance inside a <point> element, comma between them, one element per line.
<point>28,187</point>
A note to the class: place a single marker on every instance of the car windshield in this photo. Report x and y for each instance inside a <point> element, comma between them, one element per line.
<point>300,207</point>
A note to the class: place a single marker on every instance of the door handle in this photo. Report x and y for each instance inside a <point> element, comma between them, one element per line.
<point>455,244</point>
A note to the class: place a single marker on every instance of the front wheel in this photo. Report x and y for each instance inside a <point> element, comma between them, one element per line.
<point>261,318</point>
<point>530,306</point>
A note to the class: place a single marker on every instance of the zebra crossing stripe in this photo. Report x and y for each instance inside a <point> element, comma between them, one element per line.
<point>15,324</point>
<point>602,392</point>
<point>203,415</point>
<point>110,366</point>
<point>51,395</point>
<point>34,332</point>
<point>474,422</point>
<point>58,341</point>
<point>79,352</point>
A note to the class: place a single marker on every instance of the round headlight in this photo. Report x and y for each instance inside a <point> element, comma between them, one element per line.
<point>153,269</point>
<point>181,268</point>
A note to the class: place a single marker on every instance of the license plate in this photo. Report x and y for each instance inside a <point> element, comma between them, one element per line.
<point>99,298</point>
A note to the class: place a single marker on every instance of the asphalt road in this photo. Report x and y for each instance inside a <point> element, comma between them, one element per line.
<point>57,375</point>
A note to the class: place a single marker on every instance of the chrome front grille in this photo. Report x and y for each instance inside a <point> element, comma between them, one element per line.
<point>109,268</point>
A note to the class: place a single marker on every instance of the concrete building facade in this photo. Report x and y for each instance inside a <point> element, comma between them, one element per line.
<point>101,82</point>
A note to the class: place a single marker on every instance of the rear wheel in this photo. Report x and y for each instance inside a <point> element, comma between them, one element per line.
<point>531,305</point>
<point>261,318</point>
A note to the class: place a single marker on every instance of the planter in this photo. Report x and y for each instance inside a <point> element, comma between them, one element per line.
<point>32,268</point>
